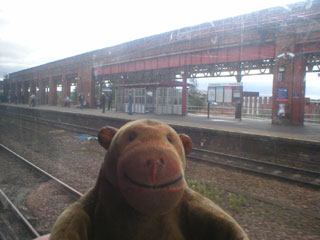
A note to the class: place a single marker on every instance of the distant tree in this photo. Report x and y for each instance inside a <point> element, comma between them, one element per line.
<point>195,96</point>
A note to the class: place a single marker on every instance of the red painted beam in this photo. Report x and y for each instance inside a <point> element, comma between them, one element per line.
<point>223,55</point>
<point>312,47</point>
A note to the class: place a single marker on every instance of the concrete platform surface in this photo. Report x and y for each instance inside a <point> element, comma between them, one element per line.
<point>256,126</point>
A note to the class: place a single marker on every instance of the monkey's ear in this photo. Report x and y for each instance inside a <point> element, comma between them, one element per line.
<point>105,136</point>
<point>187,142</point>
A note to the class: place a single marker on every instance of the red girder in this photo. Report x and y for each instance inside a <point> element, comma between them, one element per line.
<point>224,55</point>
<point>310,47</point>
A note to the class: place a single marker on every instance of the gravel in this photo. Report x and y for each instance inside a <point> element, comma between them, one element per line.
<point>292,214</point>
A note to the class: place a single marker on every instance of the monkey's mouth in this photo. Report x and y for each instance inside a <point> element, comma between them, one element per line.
<point>153,186</point>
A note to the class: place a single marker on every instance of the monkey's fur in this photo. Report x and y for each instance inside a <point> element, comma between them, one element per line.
<point>141,192</point>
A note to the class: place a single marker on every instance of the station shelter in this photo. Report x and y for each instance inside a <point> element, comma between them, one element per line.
<point>154,97</point>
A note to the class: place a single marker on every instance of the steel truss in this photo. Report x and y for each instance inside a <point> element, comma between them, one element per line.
<point>231,69</point>
<point>313,63</point>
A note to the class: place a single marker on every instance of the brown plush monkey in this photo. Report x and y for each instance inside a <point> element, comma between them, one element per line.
<point>141,192</point>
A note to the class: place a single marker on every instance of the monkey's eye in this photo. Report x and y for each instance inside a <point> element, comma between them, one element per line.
<point>170,139</point>
<point>132,136</point>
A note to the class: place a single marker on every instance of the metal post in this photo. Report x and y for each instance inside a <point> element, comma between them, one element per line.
<point>238,113</point>
<point>184,93</point>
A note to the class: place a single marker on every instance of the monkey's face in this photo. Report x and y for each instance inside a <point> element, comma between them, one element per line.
<point>150,166</point>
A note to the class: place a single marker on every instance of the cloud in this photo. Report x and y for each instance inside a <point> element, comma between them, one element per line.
<point>13,57</point>
<point>13,50</point>
<point>3,21</point>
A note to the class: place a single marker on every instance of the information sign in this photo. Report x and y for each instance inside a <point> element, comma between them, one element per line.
<point>219,94</point>
<point>211,94</point>
<point>227,94</point>
<point>282,94</point>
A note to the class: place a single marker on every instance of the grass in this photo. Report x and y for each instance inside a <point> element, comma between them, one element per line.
<point>209,189</point>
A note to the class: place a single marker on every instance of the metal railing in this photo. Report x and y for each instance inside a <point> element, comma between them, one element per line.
<point>246,112</point>
<point>260,112</point>
<point>314,118</point>
<point>229,111</point>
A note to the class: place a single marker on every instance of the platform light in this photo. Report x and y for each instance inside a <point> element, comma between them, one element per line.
<point>290,55</point>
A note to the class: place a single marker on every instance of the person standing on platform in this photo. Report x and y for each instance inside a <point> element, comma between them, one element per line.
<point>130,102</point>
<point>109,101</point>
<point>103,102</point>
<point>32,100</point>
<point>81,100</point>
<point>36,99</point>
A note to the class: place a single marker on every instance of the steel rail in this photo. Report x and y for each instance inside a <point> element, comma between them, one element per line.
<point>19,214</point>
<point>256,171</point>
<point>87,130</point>
<point>268,164</point>
<point>43,172</point>
<point>285,206</point>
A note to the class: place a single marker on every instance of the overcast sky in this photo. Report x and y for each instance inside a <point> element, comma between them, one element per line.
<point>35,32</point>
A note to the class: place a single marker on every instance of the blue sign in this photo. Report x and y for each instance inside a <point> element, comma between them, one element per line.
<point>282,94</point>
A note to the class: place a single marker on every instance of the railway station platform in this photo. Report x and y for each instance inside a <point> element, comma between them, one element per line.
<point>251,126</point>
<point>297,146</point>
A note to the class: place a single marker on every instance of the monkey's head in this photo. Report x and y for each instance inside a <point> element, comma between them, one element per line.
<point>145,161</point>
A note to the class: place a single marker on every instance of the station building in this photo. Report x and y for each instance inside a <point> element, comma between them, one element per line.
<point>156,69</point>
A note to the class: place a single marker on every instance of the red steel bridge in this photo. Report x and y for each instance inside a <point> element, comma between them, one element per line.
<point>281,41</point>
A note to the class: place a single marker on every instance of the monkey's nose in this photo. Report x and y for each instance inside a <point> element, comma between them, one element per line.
<point>155,166</point>
<point>158,162</point>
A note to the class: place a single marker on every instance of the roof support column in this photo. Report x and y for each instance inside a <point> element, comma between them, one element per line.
<point>288,83</point>
<point>5,89</point>
<point>298,90</point>
<point>18,92</point>
<point>93,90</point>
<point>124,81</point>
<point>11,92</point>
<point>42,89</point>
<point>52,92</point>
<point>65,88</point>
<point>238,112</point>
<point>14,87</point>
<point>84,84</point>
<point>25,86</point>
<point>184,111</point>
<point>239,76</point>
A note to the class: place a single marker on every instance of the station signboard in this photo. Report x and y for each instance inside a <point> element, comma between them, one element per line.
<point>225,93</point>
<point>282,94</point>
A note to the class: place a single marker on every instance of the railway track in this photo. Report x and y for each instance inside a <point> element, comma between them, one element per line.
<point>42,172</point>
<point>251,196</point>
<point>289,174</point>
<point>13,224</point>
<point>258,198</point>
<point>19,179</point>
